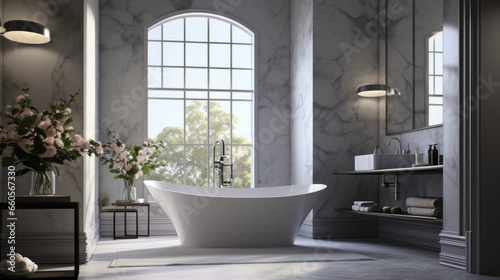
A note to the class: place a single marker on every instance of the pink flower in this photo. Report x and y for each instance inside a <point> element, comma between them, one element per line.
<point>26,145</point>
<point>49,152</point>
<point>67,111</point>
<point>51,132</point>
<point>70,127</point>
<point>12,132</point>
<point>28,112</point>
<point>59,143</point>
<point>20,98</point>
<point>49,140</point>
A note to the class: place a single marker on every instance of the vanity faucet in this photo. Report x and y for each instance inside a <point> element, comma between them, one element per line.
<point>389,143</point>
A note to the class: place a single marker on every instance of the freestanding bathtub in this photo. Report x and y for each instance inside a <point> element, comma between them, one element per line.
<point>224,217</point>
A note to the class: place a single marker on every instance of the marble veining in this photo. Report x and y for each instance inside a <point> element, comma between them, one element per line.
<point>122,80</point>
<point>345,57</point>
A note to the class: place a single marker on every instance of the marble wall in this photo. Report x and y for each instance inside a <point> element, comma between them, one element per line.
<point>345,56</point>
<point>51,71</point>
<point>301,90</point>
<point>123,82</point>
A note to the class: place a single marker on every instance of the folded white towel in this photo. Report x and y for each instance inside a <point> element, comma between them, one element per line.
<point>371,208</point>
<point>431,212</point>
<point>424,202</point>
<point>364,203</point>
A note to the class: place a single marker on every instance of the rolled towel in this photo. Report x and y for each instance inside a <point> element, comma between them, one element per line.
<point>430,212</point>
<point>355,208</point>
<point>424,202</point>
<point>364,203</point>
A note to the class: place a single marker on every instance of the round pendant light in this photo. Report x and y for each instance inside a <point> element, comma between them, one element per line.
<point>376,90</point>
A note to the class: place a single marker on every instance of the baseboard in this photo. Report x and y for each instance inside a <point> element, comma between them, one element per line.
<point>50,248</point>
<point>453,250</point>
<point>91,237</point>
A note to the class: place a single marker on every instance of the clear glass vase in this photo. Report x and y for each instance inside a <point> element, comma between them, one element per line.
<point>42,182</point>
<point>129,191</point>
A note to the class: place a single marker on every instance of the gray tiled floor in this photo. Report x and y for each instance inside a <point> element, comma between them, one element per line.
<point>390,261</point>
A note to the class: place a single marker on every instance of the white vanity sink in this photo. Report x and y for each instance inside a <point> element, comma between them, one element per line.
<point>383,161</point>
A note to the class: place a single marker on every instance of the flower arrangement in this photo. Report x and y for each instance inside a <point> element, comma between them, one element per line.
<point>129,163</point>
<point>41,139</point>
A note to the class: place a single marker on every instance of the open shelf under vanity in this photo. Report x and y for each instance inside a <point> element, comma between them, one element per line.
<point>392,216</point>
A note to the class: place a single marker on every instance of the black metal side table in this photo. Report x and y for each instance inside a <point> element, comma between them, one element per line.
<point>133,204</point>
<point>39,204</point>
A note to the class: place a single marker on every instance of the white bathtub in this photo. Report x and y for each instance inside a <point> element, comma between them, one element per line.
<point>214,217</point>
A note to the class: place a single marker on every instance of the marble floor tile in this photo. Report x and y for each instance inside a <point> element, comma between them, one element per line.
<point>390,261</point>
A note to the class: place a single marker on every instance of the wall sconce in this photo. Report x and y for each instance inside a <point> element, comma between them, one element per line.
<point>377,90</point>
<point>26,32</point>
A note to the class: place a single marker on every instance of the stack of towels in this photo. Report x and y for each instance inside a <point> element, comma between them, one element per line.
<point>365,206</point>
<point>425,206</point>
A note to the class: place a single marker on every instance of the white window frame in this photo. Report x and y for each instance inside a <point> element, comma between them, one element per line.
<point>429,94</point>
<point>253,91</point>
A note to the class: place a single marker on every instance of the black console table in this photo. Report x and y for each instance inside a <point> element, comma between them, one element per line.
<point>40,204</point>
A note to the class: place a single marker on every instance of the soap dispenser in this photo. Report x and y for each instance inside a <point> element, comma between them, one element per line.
<point>429,155</point>
<point>435,155</point>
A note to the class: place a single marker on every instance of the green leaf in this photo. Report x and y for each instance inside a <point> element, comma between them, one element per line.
<point>8,161</point>
<point>68,121</point>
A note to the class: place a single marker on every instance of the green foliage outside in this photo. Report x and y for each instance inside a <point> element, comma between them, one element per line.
<point>196,167</point>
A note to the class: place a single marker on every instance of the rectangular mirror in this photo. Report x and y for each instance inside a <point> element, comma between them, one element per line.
<point>414,64</point>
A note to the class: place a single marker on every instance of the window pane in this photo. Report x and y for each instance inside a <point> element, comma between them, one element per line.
<point>435,115</point>
<point>196,122</point>
<point>196,78</point>
<point>439,85</point>
<point>174,30</point>
<point>155,33</point>
<point>154,77</point>
<point>242,122</point>
<point>431,44</point>
<point>431,85</point>
<point>154,53</point>
<point>196,94</point>
<point>173,77</point>
<point>242,95</point>
<point>439,63</point>
<point>220,55</point>
<point>220,79</point>
<point>435,100</point>
<point>166,93</point>
<point>219,31</point>
<point>173,172</point>
<point>438,41</point>
<point>242,167</point>
<point>173,54</point>
<point>196,29</point>
<point>196,55</point>
<point>220,95</point>
<point>220,123</point>
<point>197,166</point>
<point>242,56</point>
<point>239,36</point>
<point>166,120</point>
<point>431,63</point>
<point>242,79</point>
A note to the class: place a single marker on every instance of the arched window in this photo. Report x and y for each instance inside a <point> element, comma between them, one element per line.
<point>435,78</point>
<point>201,88</point>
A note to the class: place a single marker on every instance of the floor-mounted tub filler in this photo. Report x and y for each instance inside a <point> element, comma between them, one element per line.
<point>231,217</point>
